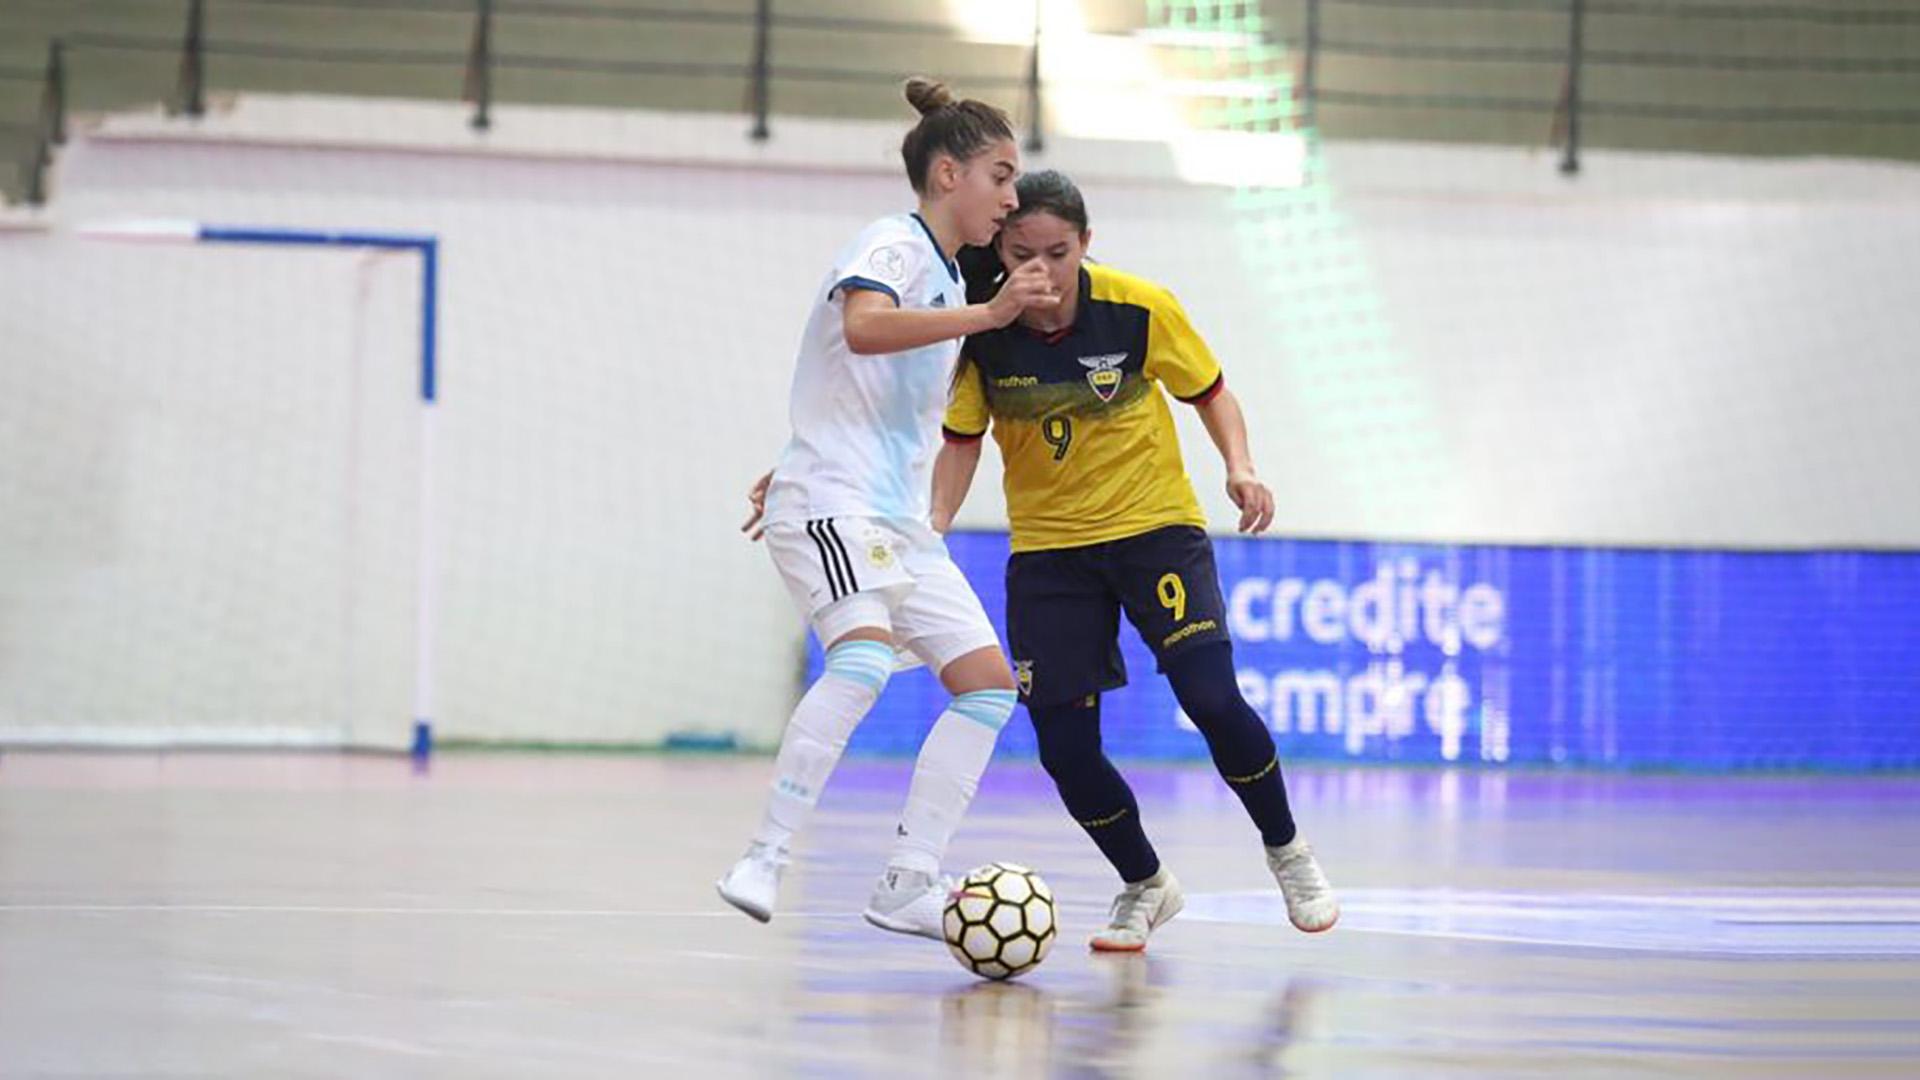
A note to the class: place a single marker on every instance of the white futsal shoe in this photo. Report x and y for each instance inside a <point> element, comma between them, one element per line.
<point>754,882</point>
<point>1137,911</point>
<point>1311,905</point>
<point>909,902</point>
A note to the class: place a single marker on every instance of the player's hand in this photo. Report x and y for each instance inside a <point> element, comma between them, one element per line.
<point>1254,499</point>
<point>1027,287</point>
<point>942,521</point>
<point>757,497</point>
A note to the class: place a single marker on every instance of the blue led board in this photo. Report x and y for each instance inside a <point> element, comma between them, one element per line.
<point>1588,657</point>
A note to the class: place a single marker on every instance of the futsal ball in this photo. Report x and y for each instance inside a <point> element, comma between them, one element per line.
<point>999,921</point>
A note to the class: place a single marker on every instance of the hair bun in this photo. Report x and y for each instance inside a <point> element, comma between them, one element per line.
<point>927,95</point>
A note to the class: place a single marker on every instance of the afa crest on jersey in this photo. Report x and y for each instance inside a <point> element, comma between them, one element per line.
<point>1104,374</point>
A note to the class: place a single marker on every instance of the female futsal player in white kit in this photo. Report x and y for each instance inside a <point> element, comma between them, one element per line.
<point>846,509</point>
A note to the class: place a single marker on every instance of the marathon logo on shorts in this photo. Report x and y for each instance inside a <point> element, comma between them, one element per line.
<point>1188,631</point>
<point>1023,676</point>
<point>1104,374</point>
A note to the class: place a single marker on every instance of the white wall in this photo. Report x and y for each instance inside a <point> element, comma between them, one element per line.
<point>207,484</point>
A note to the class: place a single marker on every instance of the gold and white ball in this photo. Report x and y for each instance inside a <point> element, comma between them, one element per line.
<point>999,922</point>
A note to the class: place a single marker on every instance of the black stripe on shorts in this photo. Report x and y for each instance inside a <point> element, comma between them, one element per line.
<point>835,588</point>
<point>846,562</point>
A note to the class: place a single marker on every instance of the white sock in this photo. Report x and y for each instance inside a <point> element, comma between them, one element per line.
<point>833,706</point>
<point>946,776</point>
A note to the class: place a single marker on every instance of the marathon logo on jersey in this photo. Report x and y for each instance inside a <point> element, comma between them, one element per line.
<point>1104,374</point>
<point>1023,676</point>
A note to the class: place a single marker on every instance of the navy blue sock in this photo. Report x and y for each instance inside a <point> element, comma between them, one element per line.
<point>1095,793</point>
<point>1203,681</point>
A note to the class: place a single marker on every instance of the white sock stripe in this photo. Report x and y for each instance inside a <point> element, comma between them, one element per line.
<point>1007,696</point>
<point>990,708</point>
<point>853,648</point>
<point>869,663</point>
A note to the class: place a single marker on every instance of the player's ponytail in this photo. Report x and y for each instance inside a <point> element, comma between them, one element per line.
<point>927,95</point>
<point>958,128</point>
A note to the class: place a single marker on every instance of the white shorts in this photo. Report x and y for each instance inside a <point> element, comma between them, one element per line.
<point>849,574</point>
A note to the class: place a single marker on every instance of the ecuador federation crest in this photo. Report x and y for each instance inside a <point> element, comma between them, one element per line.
<point>1104,374</point>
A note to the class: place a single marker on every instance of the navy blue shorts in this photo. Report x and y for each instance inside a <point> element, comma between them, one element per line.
<point>1064,605</point>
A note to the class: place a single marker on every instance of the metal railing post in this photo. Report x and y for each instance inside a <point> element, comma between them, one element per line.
<point>190,96</point>
<point>53,94</point>
<point>52,129</point>
<point>1310,63</point>
<point>759,92</point>
<point>480,67</point>
<point>1036,136</point>
<point>1576,25</point>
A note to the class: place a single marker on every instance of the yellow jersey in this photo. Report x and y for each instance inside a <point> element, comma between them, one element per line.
<point>1088,441</point>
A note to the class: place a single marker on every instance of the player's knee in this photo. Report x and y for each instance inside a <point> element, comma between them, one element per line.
<point>988,708</point>
<point>866,665</point>
<point>1236,735</point>
<point>1206,685</point>
<point>981,669</point>
<point>1212,703</point>
<point>1092,790</point>
<point>1215,707</point>
<point>1068,741</point>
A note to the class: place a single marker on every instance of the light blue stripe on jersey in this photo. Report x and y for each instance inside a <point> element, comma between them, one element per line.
<point>988,708</point>
<point>867,663</point>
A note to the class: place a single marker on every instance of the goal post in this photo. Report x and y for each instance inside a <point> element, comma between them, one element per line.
<point>427,248</point>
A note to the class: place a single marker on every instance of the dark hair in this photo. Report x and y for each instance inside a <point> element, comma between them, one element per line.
<point>960,129</point>
<point>1050,190</point>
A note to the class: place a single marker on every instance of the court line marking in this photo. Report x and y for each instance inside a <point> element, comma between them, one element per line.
<point>319,909</point>
<point>1696,949</point>
<point>1747,921</point>
<point>1550,918</point>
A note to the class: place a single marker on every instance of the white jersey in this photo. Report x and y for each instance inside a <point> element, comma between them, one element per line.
<point>866,428</point>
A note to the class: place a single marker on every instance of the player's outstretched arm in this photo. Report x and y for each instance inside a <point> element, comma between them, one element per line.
<point>953,470</point>
<point>875,325</point>
<point>1227,425</point>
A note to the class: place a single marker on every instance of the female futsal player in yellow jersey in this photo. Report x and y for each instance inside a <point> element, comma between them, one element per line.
<point>1104,521</point>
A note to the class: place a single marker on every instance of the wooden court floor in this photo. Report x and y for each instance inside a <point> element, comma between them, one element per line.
<point>501,915</point>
